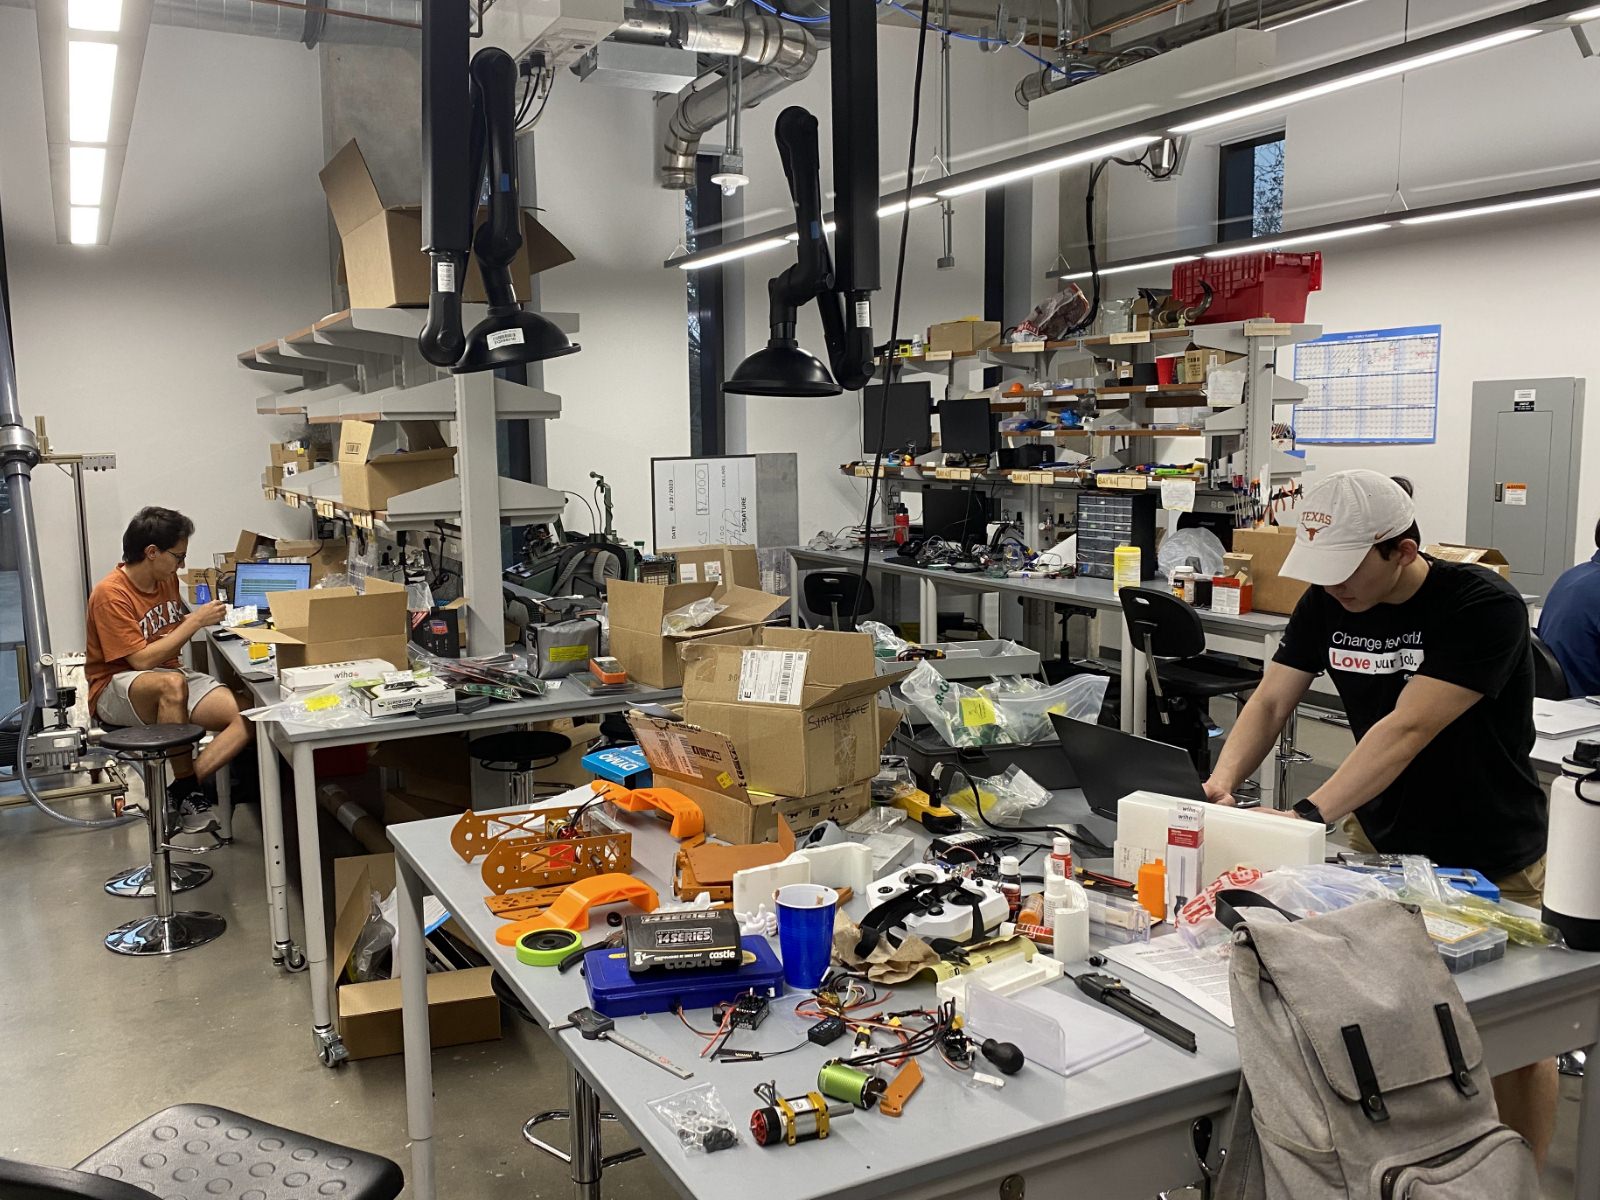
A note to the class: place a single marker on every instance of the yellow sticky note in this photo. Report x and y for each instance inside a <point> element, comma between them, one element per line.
<point>977,710</point>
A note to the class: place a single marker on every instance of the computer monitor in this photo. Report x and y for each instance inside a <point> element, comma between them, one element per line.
<point>910,425</point>
<point>255,582</point>
<point>966,427</point>
<point>1109,764</point>
<point>959,514</point>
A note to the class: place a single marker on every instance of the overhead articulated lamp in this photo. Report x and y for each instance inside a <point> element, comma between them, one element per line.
<point>468,138</point>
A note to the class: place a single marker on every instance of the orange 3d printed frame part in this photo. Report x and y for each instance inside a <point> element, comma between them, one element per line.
<point>571,911</point>
<point>687,819</point>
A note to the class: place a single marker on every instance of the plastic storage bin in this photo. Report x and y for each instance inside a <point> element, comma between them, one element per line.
<point>1246,286</point>
<point>1462,945</point>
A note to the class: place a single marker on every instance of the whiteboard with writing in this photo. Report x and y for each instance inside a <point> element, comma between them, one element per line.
<point>705,501</point>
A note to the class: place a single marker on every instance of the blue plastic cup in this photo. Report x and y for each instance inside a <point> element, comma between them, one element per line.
<point>805,932</point>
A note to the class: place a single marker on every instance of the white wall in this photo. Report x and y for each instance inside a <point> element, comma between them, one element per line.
<point>218,245</point>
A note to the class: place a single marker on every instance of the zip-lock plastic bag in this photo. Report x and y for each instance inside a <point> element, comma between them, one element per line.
<point>690,616</point>
<point>1006,712</point>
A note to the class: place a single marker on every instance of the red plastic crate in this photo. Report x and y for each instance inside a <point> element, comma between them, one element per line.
<point>1245,286</point>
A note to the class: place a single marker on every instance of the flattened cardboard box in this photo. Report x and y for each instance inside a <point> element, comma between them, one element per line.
<point>326,625</point>
<point>367,480</point>
<point>651,657</point>
<point>705,766</point>
<point>737,565</point>
<point>801,705</point>
<point>462,1006</point>
<point>1267,549</point>
<point>1482,556</point>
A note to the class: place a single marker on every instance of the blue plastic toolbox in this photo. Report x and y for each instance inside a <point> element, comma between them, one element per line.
<point>617,993</point>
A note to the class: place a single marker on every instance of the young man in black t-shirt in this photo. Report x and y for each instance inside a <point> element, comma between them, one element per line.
<point>1433,662</point>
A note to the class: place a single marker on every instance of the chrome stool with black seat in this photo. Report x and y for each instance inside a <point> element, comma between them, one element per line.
<point>138,882</point>
<point>164,931</point>
<point>198,1150</point>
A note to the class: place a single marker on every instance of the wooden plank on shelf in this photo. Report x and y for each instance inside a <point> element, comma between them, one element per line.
<point>953,474</point>
<point>1123,483</point>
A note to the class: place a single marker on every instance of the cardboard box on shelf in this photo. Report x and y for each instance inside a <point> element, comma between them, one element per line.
<point>462,1006</point>
<point>961,337</point>
<point>1483,556</point>
<point>651,657</point>
<point>326,625</point>
<point>1267,548</point>
<point>382,263</point>
<point>281,453</point>
<point>801,705</point>
<point>704,765</point>
<point>367,480</point>
<point>400,807</point>
<point>1197,363</point>
<point>327,556</point>
<point>736,565</point>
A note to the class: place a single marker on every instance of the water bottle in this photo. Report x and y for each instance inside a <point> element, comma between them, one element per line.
<point>1572,883</point>
<point>202,593</point>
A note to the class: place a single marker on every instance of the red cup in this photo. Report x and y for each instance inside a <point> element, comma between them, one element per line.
<point>1166,368</point>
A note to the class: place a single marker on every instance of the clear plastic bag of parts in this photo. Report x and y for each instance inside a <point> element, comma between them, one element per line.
<point>1423,886</point>
<point>1006,797</point>
<point>370,956</point>
<point>1199,545</point>
<point>1302,890</point>
<point>885,642</point>
<point>329,708</point>
<point>690,616</point>
<point>1007,711</point>
<point>699,1119</point>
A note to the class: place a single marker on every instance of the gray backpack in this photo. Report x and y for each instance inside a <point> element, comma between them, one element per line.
<point>1363,1073</point>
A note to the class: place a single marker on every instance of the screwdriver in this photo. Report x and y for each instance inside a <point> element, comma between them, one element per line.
<point>597,1028</point>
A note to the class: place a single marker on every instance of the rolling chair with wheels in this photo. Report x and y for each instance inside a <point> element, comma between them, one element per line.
<point>834,593</point>
<point>1181,675</point>
<point>1549,680</point>
<point>198,1150</point>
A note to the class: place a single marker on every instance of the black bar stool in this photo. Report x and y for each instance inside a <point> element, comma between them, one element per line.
<point>163,932</point>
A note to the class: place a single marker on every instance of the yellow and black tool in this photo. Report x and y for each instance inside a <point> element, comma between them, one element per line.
<point>935,817</point>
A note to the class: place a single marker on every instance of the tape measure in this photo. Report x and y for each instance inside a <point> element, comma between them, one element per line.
<point>546,947</point>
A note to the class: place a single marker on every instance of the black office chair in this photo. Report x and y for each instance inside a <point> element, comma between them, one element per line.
<point>1181,675</point>
<point>834,593</point>
<point>198,1150</point>
<point>1549,680</point>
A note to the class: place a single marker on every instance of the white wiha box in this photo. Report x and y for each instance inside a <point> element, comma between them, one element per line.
<point>310,679</point>
<point>1234,836</point>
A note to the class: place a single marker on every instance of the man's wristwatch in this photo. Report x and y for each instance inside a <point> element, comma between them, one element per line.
<point>1307,811</point>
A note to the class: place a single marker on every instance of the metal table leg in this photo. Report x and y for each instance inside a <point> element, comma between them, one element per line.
<point>330,1048</point>
<point>1587,1168</point>
<point>284,952</point>
<point>414,1022</point>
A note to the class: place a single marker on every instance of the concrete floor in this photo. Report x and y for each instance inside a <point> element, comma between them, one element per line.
<point>96,1042</point>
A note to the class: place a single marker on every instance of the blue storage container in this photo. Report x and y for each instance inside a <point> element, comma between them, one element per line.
<point>617,993</point>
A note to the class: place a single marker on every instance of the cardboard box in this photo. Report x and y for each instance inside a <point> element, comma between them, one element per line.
<point>436,767</point>
<point>962,337</point>
<point>282,453</point>
<point>327,625</point>
<point>1267,548</point>
<point>801,705</point>
<point>462,1006</point>
<point>1196,364</point>
<point>427,697</point>
<point>327,556</point>
<point>367,480</point>
<point>383,265</point>
<point>705,766</point>
<point>737,565</point>
<point>651,657</point>
<point>1483,556</point>
<point>400,807</point>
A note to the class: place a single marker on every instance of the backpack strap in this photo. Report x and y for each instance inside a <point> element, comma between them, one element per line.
<point>1459,1075</point>
<point>1230,901</point>
<point>1366,1078</point>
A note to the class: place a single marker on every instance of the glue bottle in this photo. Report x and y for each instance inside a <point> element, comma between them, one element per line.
<point>1060,861</point>
<point>1011,884</point>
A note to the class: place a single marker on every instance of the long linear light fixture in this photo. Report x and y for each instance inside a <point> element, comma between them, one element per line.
<point>1526,21</point>
<point>1588,189</point>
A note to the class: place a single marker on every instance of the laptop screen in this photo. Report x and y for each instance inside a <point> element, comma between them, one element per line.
<point>255,582</point>
<point>1109,764</point>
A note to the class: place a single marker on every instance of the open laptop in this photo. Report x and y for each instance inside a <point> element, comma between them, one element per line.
<point>1109,764</point>
<point>255,582</point>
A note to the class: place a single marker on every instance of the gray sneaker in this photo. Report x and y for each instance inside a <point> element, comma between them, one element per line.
<point>189,808</point>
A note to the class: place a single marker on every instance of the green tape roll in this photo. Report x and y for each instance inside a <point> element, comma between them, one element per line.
<point>546,947</point>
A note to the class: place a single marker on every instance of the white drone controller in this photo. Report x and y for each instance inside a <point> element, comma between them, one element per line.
<point>948,913</point>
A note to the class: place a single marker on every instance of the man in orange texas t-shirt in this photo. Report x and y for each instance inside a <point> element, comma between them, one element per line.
<point>136,628</point>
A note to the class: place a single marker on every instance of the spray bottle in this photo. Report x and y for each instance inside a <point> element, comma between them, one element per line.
<point>1572,885</point>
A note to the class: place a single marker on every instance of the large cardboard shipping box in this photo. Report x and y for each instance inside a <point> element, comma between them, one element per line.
<point>1482,556</point>
<point>801,705</point>
<point>705,766</point>
<point>462,1006</point>
<point>1267,548</point>
<point>651,657</point>
<point>367,480</point>
<point>963,337</point>
<point>326,625</point>
<point>383,264</point>
<point>737,565</point>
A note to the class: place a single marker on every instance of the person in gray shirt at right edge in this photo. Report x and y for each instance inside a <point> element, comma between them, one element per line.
<point>1434,663</point>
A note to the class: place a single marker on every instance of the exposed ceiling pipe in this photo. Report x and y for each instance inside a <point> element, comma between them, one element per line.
<point>344,22</point>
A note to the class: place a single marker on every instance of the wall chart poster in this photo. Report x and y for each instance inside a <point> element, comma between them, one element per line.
<point>704,501</point>
<point>1375,385</point>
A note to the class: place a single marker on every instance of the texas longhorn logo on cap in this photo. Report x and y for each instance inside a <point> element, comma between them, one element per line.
<point>1314,523</point>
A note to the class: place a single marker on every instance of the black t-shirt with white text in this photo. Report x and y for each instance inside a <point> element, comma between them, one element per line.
<point>1470,797</point>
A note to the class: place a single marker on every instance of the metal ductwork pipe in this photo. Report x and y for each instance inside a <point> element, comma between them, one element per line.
<point>777,53</point>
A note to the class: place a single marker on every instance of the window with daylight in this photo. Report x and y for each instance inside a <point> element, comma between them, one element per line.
<point>1250,188</point>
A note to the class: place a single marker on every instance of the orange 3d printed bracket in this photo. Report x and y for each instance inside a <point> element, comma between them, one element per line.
<point>571,911</point>
<point>687,819</point>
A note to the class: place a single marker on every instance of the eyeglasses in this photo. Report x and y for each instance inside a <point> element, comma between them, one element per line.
<point>180,559</point>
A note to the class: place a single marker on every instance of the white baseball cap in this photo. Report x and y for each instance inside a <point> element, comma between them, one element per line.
<point>1340,519</point>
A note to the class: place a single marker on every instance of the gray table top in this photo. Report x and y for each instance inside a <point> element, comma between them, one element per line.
<point>1093,593</point>
<point>559,701</point>
<point>866,1155</point>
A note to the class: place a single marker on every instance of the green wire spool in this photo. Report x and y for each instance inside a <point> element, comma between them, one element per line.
<point>546,947</point>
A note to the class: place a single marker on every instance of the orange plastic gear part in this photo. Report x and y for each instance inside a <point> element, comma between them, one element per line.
<point>687,819</point>
<point>571,911</point>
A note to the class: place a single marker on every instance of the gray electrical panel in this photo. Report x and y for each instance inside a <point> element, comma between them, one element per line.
<point>1522,480</point>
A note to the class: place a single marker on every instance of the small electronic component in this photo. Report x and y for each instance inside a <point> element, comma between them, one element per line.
<point>964,846</point>
<point>747,1012</point>
<point>608,669</point>
<point>826,1031</point>
<point>687,939</point>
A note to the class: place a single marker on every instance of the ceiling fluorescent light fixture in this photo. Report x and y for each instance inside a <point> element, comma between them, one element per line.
<point>95,16</point>
<point>899,206</point>
<point>86,173</point>
<point>85,226</point>
<point>716,260</point>
<point>1309,239</point>
<point>1147,265</point>
<point>1398,67</point>
<point>1047,166</point>
<point>1508,206</point>
<point>1312,16</point>
<point>1588,14</point>
<point>91,77</point>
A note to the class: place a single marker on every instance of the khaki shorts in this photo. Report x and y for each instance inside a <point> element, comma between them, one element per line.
<point>1520,887</point>
<point>116,708</point>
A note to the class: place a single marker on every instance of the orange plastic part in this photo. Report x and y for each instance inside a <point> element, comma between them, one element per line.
<point>687,819</point>
<point>571,911</point>
<point>893,1101</point>
<point>1153,889</point>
